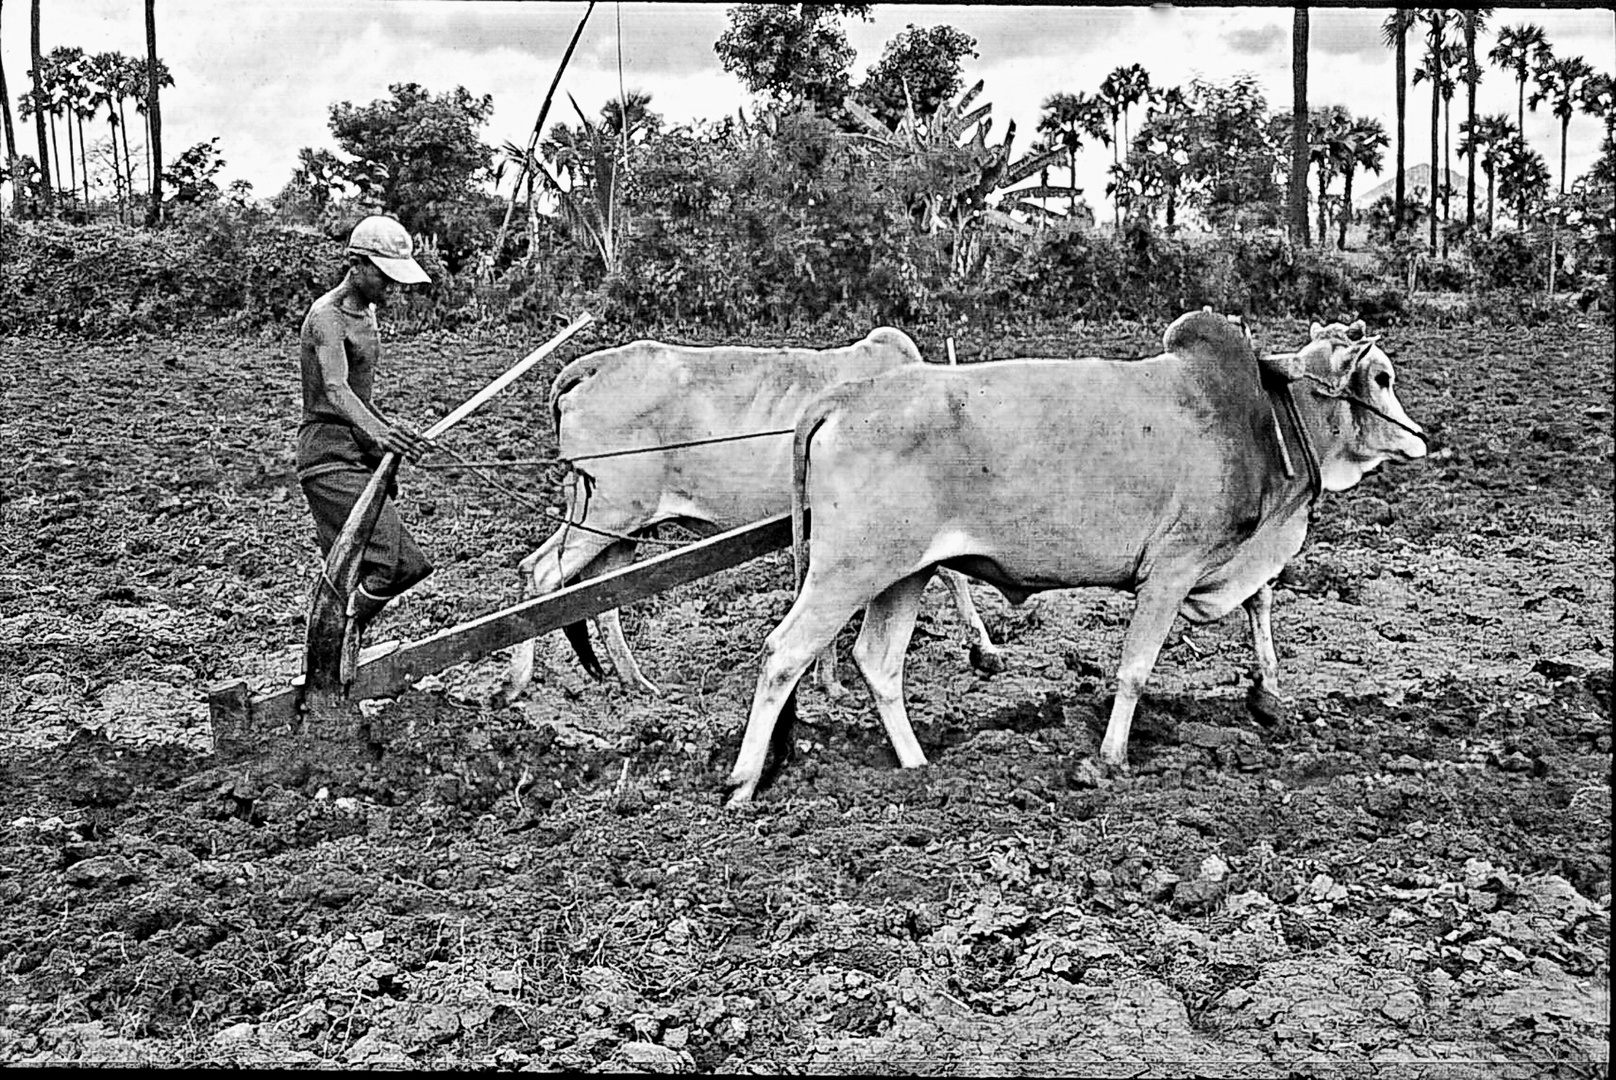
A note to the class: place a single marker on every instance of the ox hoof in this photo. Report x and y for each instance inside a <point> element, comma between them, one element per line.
<point>1265,707</point>
<point>1110,770</point>
<point>987,661</point>
<point>740,794</point>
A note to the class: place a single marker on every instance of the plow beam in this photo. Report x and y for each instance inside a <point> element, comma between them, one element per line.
<point>236,711</point>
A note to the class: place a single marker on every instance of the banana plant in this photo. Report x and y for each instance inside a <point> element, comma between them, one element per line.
<point>962,184</point>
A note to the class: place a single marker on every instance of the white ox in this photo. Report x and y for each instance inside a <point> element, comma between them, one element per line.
<point>650,394</point>
<point>1175,478</point>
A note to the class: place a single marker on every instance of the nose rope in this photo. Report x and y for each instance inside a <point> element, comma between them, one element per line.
<point>1342,394</point>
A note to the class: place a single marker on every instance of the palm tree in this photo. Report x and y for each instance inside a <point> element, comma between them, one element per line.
<point>140,91</point>
<point>1124,88</point>
<point>1361,145</point>
<point>1598,99</point>
<point>81,106</point>
<point>636,106</point>
<point>1452,58</point>
<point>1474,20</point>
<point>1560,82</point>
<point>128,86</point>
<point>37,103</point>
<point>154,120</point>
<point>1326,129</point>
<point>1522,178</point>
<point>1517,45</point>
<point>36,75</point>
<point>104,73</point>
<point>1394,32</point>
<point>1432,70</point>
<point>11,132</point>
<point>1488,136</point>
<point>1066,119</point>
<point>1298,177</point>
<point>113,76</point>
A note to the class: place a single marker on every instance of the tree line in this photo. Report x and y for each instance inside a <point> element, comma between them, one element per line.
<point>601,190</point>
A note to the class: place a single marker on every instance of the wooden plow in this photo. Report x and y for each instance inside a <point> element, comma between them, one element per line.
<point>237,712</point>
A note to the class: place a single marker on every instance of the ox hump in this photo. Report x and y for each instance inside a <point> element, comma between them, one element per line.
<point>1215,352</point>
<point>890,337</point>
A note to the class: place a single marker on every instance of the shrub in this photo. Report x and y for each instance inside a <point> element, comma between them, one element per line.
<point>217,262</point>
<point>1507,260</point>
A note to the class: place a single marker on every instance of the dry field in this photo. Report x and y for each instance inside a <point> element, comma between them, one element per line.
<point>1412,879</point>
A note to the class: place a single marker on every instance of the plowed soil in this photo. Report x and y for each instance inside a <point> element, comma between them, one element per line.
<point>1412,878</point>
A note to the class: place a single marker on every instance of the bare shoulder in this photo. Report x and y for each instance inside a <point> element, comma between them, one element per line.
<point>324,316</point>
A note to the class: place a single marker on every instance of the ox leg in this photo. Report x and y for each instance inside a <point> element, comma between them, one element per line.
<point>1154,611</point>
<point>985,656</point>
<point>559,559</point>
<point>1263,701</point>
<point>889,620</point>
<point>808,628</point>
<point>610,624</point>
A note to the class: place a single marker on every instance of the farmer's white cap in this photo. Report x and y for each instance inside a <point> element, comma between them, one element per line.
<point>387,244</point>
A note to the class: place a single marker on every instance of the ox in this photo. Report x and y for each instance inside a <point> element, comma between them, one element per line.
<point>647,395</point>
<point>1175,478</point>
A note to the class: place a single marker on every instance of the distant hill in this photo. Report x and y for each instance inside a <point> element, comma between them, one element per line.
<point>1413,177</point>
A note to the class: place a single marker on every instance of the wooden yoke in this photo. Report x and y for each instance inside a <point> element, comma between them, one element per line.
<point>330,656</point>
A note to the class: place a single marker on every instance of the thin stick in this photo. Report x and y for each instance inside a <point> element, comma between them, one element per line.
<point>517,370</point>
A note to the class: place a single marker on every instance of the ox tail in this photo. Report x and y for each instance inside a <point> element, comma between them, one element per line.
<point>815,415</point>
<point>577,635</point>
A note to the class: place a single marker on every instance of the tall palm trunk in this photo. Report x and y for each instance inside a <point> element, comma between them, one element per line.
<point>56,157</point>
<point>1489,202</point>
<point>1436,131</point>
<point>1071,183</point>
<point>1346,206</point>
<point>128,170</point>
<point>5,109</point>
<point>1116,197</point>
<point>84,156</point>
<point>72,161</point>
<point>117,173</point>
<point>39,109</point>
<point>1447,170</point>
<point>145,122</point>
<point>1402,110</point>
<point>1520,104</point>
<point>154,213</point>
<point>1471,78</point>
<point>1565,128</point>
<point>1324,188</point>
<point>1447,161</point>
<point>1298,185</point>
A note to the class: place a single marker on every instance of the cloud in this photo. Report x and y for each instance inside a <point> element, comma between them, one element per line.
<point>1344,33</point>
<point>1255,41</point>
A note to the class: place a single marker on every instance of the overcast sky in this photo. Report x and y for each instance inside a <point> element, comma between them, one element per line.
<point>263,75</point>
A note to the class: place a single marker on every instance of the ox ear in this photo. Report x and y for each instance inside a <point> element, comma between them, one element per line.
<point>1317,331</point>
<point>1356,330</point>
